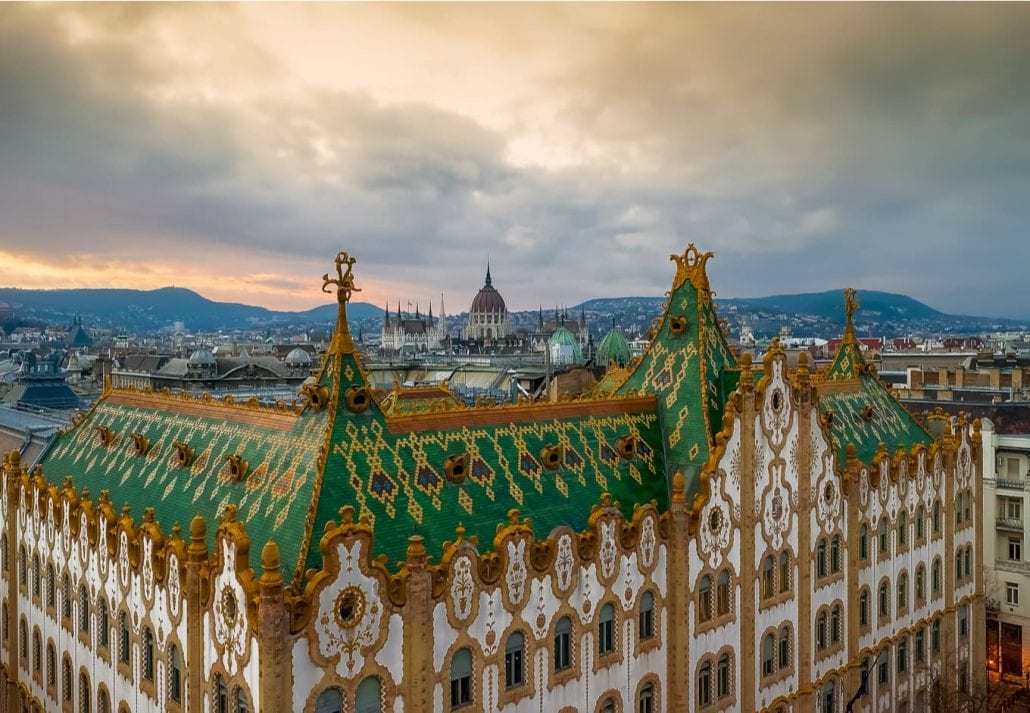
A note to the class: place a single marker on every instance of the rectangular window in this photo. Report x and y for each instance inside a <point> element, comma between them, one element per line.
<point>1014,509</point>
<point>921,645</point>
<point>1012,468</point>
<point>1012,593</point>
<point>784,650</point>
<point>884,674</point>
<point>606,639</point>
<point>513,668</point>
<point>963,621</point>
<point>1015,549</point>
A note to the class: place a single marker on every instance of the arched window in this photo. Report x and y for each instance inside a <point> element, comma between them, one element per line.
<point>829,702</point>
<point>921,644</point>
<point>935,636</point>
<point>148,654</point>
<point>959,497</point>
<point>51,665</point>
<point>903,591</point>
<point>937,517</point>
<point>37,575</point>
<point>83,609</point>
<point>704,599</point>
<point>920,523</point>
<point>243,703</point>
<point>103,624</point>
<point>936,577</point>
<point>902,529</point>
<point>85,695</point>
<point>608,706</point>
<point>903,655</point>
<point>768,655</point>
<point>958,564</point>
<point>514,661</point>
<point>329,701</point>
<point>835,627</point>
<point>4,624</point>
<point>51,584</point>
<point>563,642</point>
<point>37,652</point>
<point>884,545</point>
<point>645,701</point>
<point>368,697</point>
<point>969,561</point>
<point>885,602</point>
<point>969,505</point>
<point>704,685</point>
<point>461,678</point>
<point>722,593</point>
<point>920,583</point>
<point>221,695</point>
<point>784,572</point>
<point>606,630</point>
<point>820,630</point>
<point>646,623</point>
<point>863,542</point>
<point>722,677</point>
<point>103,702</point>
<point>820,559</point>
<point>23,566</point>
<point>23,640</point>
<point>66,678</point>
<point>66,599</point>
<point>835,554</point>
<point>784,661</point>
<point>174,674</point>
<point>863,608</point>
<point>123,637</point>
<point>3,552</point>
<point>768,575</point>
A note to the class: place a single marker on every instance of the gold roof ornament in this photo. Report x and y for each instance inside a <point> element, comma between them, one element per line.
<point>344,282</point>
<point>851,304</point>
<point>691,266</point>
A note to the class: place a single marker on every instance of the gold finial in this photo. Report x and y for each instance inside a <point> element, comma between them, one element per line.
<point>270,557</point>
<point>198,528</point>
<point>691,266</point>
<point>851,304</point>
<point>344,282</point>
<point>679,488</point>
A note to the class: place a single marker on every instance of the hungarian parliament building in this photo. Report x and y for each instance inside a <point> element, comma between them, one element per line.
<point>703,531</point>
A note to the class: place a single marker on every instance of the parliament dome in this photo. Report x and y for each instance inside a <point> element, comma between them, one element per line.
<point>488,299</point>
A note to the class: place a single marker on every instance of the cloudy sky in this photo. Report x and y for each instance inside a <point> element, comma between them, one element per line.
<point>234,149</point>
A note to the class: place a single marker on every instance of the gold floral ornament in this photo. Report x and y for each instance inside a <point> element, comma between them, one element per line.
<point>358,399</point>
<point>350,606</point>
<point>677,325</point>
<point>140,443</point>
<point>344,284</point>
<point>551,457</point>
<point>183,454</point>
<point>107,436</point>
<point>237,467</point>
<point>454,469</point>
<point>229,607</point>
<point>316,395</point>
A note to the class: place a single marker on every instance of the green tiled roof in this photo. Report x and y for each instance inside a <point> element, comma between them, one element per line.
<point>683,366</point>
<point>863,411</point>
<point>273,497</point>
<point>392,470</point>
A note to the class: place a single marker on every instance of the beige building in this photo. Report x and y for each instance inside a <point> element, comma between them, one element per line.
<point>701,533</point>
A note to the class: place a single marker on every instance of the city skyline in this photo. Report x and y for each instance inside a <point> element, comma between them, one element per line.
<point>230,149</point>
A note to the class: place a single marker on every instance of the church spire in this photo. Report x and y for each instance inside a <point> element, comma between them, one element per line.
<point>386,315</point>
<point>489,282</point>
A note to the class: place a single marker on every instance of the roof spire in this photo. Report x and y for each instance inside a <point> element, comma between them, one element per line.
<point>850,305</point>
<point>489,282</point>
<point>344,283</point>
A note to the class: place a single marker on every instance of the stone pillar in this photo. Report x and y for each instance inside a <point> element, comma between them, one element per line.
<point>419,675</point>
<point>806,502</point>
<point>275,665</point>
<point>195,589</point>
<point>978,613</point>
<point>949,643</point>
<point>749,660</point>
<point>12,472</point>
<point>678,593</point>
<point>853,513</point>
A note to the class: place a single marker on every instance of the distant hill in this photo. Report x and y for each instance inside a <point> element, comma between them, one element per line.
<point>808,314</point>
<point>146,310</point>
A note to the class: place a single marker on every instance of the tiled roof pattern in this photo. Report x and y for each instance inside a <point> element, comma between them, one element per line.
<point>397,478</point>
<point>272,499</point>
<point>889,422</point>
<point>684,371</point>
